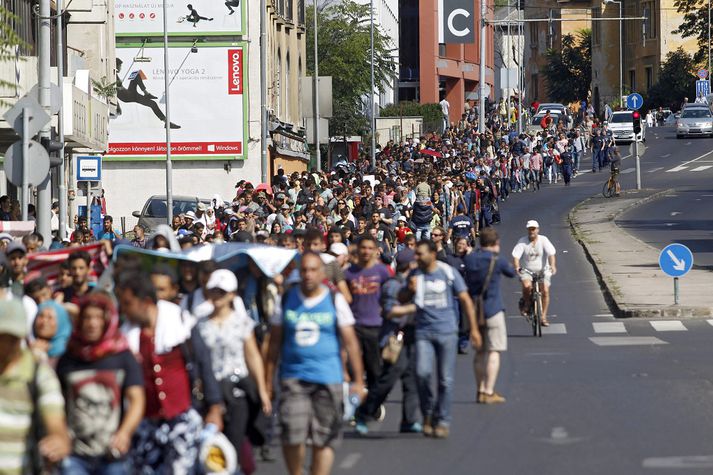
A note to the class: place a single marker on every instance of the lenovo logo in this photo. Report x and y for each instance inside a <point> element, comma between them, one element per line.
<point>235,71</point>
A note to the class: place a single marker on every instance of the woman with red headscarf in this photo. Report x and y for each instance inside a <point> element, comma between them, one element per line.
<point>103,388</point>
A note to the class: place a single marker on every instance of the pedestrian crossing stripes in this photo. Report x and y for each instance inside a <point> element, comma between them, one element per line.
<point>676,169</point>
<point>609,327</point>
<point>555,329</point>
<point>628,170</point>
<point>620,327</point>
<point>653,170</point>
<point>701,168</point>
<point>668,326</point>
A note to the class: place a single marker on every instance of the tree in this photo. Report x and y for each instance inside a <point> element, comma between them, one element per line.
<point>344,54</point>
<point>676,81</point>
<point>10,41</point>
<point>431,113</point>
<point>695,24</point>
<point>568,72</point>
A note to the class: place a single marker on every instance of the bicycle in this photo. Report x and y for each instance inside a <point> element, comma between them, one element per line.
<point>612,186</point>
<point>534,315</point>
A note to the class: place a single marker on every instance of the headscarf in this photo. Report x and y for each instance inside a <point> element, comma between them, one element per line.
<point>111,342</point>
<point>58,343</point>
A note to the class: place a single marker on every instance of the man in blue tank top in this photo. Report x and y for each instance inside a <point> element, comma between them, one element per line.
<point>307,331</point>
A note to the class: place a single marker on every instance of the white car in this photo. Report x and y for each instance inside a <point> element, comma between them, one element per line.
<point>622,127</point>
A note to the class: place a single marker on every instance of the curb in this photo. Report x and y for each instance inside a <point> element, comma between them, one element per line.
<point>618,309</point>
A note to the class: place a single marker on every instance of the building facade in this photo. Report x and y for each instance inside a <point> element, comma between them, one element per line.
<point>430,71</point>
<point>509,50</point>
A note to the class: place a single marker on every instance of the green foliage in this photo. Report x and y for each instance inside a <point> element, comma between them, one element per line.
<point>568,72</point>
<point>104,88</point>
<point>431,113</point>
<point>10,41</point>
<point>676,81</point>
<point>344,53</point>
<point>695,24</point>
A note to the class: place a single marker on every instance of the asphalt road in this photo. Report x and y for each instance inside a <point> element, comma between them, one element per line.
<point>592,396</point>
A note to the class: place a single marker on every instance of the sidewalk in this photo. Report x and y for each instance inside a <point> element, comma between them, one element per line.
<point>628,268</point>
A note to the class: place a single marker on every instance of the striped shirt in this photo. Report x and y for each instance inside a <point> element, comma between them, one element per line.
<point>16,409</point>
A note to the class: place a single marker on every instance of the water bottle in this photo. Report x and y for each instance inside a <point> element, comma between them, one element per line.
<point>351,403</point>
<point>208,432</point>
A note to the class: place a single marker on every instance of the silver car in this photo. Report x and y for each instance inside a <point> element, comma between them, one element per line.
<point>695,119</point>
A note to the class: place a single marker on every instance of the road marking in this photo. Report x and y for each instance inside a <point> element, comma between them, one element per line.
<point>701,168</point>
<point>609,327</point>
<point>685,461</point>
<point>626,340</point>
<point>555,329</point>
<point>350,460</point>
<point>628,170</point>
<point>710,322</point>
<point>676,169</point>
<point>687,143</point>
<point>668,326</point>
<point>697,158</point>
<point>666,156</point>
<point>655,169</point>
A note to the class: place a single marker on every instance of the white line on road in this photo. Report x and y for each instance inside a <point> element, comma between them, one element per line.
<point>675,213</point>
<point>609,327</point>
<point>666,156</point>
<point>685,461</point>
<point>628,170</point>
<point>676,169</point>
<point>668,326</point>
<point>701,168</point>
<point>697,158</point>
<point>710,322</point>
<point>350,460</point>
<point>555,329</point>
<point>653,170</point>
<point>626,340</point>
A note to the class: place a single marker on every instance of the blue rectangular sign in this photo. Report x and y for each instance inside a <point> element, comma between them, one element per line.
<point>89,168</point>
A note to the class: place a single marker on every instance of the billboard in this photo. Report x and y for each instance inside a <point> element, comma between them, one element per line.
<point>208,93</point>
<point>189,17</point>
<point>456,21</point>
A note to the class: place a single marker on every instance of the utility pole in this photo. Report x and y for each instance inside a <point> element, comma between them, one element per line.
<point>520,71</point>
<point>481,81</point>
<point>371,97</point>
<point>315,96</point>
<point>508,48</point>
<point>263,90</point>
<point>59,48</point>
<point>709,40</point>
<point>44,192</point>
<point>166,86</point>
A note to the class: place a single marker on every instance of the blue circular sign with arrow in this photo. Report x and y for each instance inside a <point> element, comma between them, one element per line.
<point>676,260</point>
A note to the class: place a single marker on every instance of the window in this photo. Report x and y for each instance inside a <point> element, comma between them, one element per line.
<point>278,84</point>
<point>534,34</point>
<point>649,11</point>
<point>596,26</point>
<point>289,15</point>
<point>301,12</point>
<point>534,86</point>
<point>632,80</point>
<point>288,95</point>
<point>649,77</point>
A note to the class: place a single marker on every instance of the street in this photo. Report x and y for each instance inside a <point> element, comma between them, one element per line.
<point>593,395</point>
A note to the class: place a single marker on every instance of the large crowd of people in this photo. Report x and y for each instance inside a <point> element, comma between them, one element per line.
<point>174,366</point>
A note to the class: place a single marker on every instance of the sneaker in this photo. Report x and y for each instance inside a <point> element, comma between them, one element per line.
<point>381,413</point>
<point>415,428</point>
<point>361,428</point>
<point>266,455</point>
<point>494,398</point>
<point>427,427</point>
<point>441,432</point>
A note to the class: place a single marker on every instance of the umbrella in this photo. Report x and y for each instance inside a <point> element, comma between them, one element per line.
<point>264,187</point>
<point>432,153</point>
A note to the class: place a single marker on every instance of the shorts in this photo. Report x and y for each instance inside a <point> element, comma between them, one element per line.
<point>495,333</point>
<point>310,411</point>
<point>524,277</point>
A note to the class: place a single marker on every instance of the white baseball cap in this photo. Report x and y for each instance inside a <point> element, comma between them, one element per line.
<point>338,249</point>
<point>532,224</point>
<point>223,279</point>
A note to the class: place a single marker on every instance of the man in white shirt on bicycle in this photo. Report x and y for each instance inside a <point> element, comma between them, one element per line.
<point>535,253</point>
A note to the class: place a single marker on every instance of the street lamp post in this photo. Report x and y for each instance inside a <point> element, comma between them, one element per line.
<point>166,85</point>
<point>371,96</point>
<point>621,48</point>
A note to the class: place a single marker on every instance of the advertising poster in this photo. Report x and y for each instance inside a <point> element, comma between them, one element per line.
<point>185,17</point>
<point>208,103</point>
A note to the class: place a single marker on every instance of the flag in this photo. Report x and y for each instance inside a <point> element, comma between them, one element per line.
<point>46,264</point>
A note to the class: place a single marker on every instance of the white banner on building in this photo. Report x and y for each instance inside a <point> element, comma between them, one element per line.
<point>190,17</point>
<point>208,102</point>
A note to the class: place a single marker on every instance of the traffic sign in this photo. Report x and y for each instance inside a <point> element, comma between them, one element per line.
<point>702,73</point>
<point>676,260</point>
<point>38,116</point>
<point>38,161</point>
<point>634,101</point>
<point>55,104</point>
<point>632,149</point>
<point>703,87</point>
<point>89,168</point>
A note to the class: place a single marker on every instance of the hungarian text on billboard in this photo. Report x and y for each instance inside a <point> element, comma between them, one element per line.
<point>193,17</point>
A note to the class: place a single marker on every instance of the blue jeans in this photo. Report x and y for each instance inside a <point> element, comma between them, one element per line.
<point>423,232</point>
<point>76,465</point>
<point>597,160</point>
<point>576,156</point>
<point>441,349</point>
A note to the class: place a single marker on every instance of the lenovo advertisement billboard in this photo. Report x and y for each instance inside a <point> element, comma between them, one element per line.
<point>208,93</point>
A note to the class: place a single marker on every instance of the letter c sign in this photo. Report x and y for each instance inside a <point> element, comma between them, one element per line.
<point>458,21</point>
<point>452,28</point>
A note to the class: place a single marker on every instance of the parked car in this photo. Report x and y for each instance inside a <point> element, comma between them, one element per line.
<point>534,126</point>
<point>695,119</point>
<point>622,127</point>
<point>155,210</point>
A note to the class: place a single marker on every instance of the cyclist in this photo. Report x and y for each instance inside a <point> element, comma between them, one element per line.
<point>536,254</point>
<point>614,166</point>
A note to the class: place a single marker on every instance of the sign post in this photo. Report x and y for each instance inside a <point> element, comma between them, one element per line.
<point>675,261</point>
<point>634,101</point>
